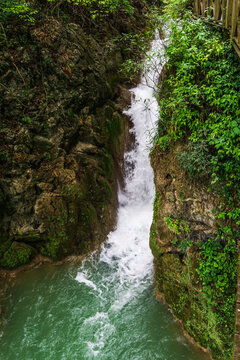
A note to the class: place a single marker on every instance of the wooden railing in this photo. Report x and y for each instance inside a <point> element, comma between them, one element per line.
<point>225,13</point>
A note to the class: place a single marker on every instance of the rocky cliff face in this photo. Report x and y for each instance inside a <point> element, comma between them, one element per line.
<point>182,218</point>
<point>62,136</point>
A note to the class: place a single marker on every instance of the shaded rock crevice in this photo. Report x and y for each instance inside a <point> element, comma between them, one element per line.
<point>62,137</point>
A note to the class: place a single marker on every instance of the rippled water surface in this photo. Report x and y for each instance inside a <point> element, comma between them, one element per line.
<point>105,308</point>
<point>50,315</point>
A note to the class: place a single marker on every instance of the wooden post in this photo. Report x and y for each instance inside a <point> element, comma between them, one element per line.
<point>204,7</point>
<point>223,12</point>
<point>196,7</point>
<point>216,11</point>
<point>238,25</point>
<point>228,13</point>
<point>234,18</point>
<point>208,12</point>
<point>238,32</point>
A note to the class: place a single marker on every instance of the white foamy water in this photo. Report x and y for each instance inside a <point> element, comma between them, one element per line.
<point>127,250</point>
<point>81,277</point>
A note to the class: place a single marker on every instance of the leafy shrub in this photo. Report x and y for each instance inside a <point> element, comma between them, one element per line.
<point>196,159</point>
<point>27,10</point>
<point>201,107</point>
<point>217,269</point>
<point>51,248</point>
<point>16,255</point>
<point>17,9</point>
<point>103,7</point>
<point>174,9</point>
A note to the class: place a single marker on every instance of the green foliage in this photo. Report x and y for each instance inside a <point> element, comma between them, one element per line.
<point>51,248</point>
<point>181,230</point>
<point>196,159</point>
<point>27,120</point>
<point>15,256</point>
<point>201,107</point>
<point>177,225</point>
<point>27,10</point>
<point>104,7</point>
<point>18,9</point>
<point>217,272</point>
<point>217,268</point>
<point>218,275</point>
<point>173,9</point>
<point>4,156</point>
<point>135,45</point>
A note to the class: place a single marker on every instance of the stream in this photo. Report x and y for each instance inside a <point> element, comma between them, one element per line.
<point>104,308</point>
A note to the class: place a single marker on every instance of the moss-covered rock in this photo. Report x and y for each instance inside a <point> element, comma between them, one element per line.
<point>62,131</point>
<point>17,254</point>
<point>183,218</point>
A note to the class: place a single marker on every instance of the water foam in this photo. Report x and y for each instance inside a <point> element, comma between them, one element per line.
<point>126,250</point>
<point>81,278</point>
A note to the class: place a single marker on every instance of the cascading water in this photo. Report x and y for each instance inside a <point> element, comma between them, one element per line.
<point>105,309</point>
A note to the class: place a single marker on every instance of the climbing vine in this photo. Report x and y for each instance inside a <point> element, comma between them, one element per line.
<point>199,104</point>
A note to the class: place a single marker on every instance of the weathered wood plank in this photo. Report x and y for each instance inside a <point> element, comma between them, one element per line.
<point>217,8</point>
<point>223,12</point>
<point>228,13</point>
<point>208,8</point>
<point>234,18</point>
<point>196,7</point>
<point>238,31</point>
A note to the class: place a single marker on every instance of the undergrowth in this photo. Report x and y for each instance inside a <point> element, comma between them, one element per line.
<point>27,10</point>
<point>200,106</point>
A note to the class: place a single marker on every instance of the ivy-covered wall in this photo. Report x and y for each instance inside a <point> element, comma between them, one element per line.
<point>195,273</point>
<point>195,157</point>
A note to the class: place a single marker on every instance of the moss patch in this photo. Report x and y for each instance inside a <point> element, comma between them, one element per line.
<point>18,254</point>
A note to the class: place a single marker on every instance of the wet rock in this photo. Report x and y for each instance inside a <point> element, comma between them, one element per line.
<point>42,144</point>
<point>183,213</point>
<point>63,136</point>
<point>18,254</point>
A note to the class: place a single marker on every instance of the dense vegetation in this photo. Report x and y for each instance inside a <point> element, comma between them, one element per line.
<point>27,10</point>
<point>200,107</point>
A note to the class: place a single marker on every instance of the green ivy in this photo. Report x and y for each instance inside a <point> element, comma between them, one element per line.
<point>103,7</point>
<point>217,268</point>
<point>27,10</point>
<point>15,8</point>
<point>203,108</point>
<point>200,106</point>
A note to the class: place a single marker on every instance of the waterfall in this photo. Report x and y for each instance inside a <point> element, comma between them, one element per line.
<point>126,251</point>
<point>104,308</point>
